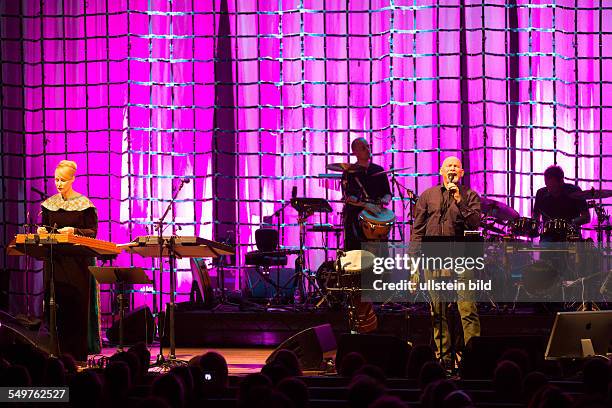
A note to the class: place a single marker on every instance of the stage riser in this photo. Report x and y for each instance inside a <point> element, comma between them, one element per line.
<point>266,329</point>
<point>269,329</point>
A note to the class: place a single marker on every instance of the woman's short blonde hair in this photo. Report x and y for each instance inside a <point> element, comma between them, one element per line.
<point>68,166</point>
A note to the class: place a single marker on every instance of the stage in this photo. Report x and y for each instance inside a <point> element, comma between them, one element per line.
<point>229,327</point>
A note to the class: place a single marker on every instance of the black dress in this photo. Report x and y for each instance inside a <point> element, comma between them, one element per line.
<point>73,281</point>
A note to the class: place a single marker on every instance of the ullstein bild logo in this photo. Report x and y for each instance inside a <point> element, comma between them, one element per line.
<point>414,264</point>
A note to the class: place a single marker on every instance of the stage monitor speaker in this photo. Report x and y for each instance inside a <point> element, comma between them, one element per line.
<point>135,324</point>
<point>310,346</point>
<point>389,353</point>
<point>12,331</point>
<point>482,353</point>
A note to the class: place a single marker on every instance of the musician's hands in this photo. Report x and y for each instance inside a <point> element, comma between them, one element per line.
<point>385,200</point>
<point>454,190</point>
<point>373,208</point>
<point>66,230</point>
<point>41,230</point>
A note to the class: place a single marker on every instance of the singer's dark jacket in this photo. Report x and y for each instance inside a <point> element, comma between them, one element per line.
<point>437,213</point>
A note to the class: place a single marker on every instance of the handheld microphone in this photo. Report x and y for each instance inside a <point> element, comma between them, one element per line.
<point>451,179</point>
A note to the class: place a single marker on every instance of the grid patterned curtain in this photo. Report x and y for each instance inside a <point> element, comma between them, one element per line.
<point>247,99</point>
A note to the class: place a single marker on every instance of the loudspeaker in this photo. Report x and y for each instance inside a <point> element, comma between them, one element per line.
<point>309,346</point>
<point>389,353</point>
<point>482,353</point>
<point>12,331</point>
<point>135,324</point>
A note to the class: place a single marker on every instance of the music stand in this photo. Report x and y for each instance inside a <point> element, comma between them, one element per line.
<point>173,247</point>
<point>120,277</point>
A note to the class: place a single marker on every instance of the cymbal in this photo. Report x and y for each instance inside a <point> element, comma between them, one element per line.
<point>342,167</point>
<point>391,171</point>
<point>498,210</point>
<point>591,194</point>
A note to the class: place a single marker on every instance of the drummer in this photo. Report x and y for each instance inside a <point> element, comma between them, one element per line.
<point>554,201</point>
<point>362,190</point>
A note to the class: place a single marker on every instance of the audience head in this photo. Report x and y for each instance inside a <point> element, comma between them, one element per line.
<point>518,356</point>
<point>597,374</point>
<point>552,397</point>
<point>252,388</point>
<point>363,391</point>
<point>430,372</point>
<point>144,356</point>
<point>54,373</point>
<point>214,373</point>
<point>532,383</point>
<point>85,389</point>
<point>184,374</point>
<point>289,360</point>
<point>457,399</point>
<point>436,392</point>
<point>508,381</point>
<point>275,372</point>
<point>169,388</point>
<point>132,360</point>
<point>296,390</point>
<point>116,380</point>
<point>419,355</point>
<point>373,372</point>
<point>350,363</point>
<point>388,401</point>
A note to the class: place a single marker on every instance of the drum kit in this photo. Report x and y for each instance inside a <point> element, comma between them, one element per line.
<point>540,275</point>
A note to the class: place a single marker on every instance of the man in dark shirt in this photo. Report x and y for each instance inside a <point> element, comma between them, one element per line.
<point>362,190</point>
<point>449,209</point>
<point>554,201</point>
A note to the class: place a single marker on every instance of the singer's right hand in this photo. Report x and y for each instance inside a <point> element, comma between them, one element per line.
<point>41,230</point>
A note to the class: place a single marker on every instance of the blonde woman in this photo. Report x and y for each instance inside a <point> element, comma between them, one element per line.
<point>69,212</point>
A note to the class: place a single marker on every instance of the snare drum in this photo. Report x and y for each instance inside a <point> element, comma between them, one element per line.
<point>558,230</point>
<point>376,226</point>
<point>526,227</point>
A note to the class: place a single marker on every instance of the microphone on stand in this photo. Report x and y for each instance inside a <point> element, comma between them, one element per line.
<point>185,181</point>
<point>293,194</point>
<point>40,193</point>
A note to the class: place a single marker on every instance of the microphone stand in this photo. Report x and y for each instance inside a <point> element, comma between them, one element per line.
<point>172,360</point>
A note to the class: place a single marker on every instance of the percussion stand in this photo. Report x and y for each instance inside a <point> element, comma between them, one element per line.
<point>300,262</point>
<point>170,246</point>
